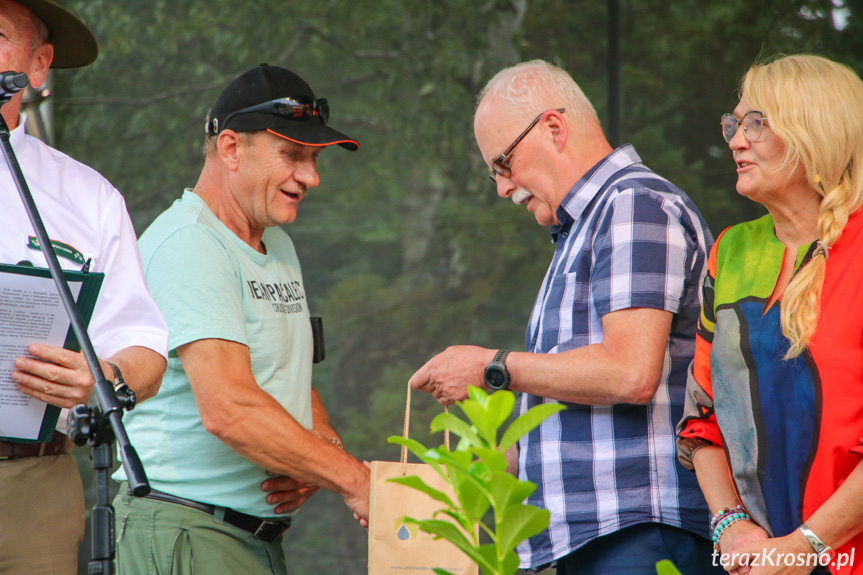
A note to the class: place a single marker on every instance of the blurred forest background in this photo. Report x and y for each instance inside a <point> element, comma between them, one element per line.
<point>405,246</point>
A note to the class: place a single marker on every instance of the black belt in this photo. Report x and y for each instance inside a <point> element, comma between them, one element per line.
<point>259,528</point>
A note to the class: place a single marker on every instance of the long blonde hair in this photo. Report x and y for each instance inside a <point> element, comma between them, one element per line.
<point>815,106</point>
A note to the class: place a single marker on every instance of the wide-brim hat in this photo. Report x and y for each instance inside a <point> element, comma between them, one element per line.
<point>74,44</point>
<point>264,84</point>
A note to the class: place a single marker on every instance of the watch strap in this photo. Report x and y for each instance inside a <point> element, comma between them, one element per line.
<point>500,357</point>
<point>118,375</point>
<point>119,382</point>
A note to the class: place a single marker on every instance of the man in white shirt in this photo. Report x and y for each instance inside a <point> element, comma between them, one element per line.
<point>41,494</point>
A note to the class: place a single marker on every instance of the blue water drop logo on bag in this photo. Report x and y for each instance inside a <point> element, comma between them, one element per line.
<point>403,533</point>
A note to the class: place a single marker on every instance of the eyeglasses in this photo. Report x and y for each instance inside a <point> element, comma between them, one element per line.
<point>297,108</point>
<point>499,167</point>
<point>752,123</point>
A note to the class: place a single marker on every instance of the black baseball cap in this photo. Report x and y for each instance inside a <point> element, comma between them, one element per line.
<point>74,44</point>
<point>265,84</point>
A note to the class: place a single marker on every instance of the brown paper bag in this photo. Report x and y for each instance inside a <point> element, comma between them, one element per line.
<point>399,548</point>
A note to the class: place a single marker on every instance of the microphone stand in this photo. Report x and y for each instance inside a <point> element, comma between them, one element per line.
<point>100,423</point>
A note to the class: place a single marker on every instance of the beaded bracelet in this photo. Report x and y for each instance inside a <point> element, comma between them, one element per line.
<point>723,520</point>
<point>722,514</point>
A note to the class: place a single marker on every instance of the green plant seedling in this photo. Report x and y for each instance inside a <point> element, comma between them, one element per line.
<point>476,472</point>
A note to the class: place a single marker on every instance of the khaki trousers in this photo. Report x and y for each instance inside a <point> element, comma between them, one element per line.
<point>41,516</point>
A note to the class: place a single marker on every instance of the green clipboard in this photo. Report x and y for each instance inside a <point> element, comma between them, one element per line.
<point>91,283</point>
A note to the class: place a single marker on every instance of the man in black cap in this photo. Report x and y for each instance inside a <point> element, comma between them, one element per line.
<point>41,496</point>
<point>237,438</point>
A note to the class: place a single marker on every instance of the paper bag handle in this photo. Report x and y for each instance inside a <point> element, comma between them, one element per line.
<point>404,459</point>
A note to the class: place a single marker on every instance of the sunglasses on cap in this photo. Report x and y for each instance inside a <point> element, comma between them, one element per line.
<point>298,108</point>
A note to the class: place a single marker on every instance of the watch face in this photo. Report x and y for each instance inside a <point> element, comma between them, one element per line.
<point>495,378</point>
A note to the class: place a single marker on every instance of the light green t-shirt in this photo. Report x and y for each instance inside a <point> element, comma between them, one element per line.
<point>210,284</point>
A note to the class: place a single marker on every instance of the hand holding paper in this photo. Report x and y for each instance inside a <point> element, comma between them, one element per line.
<point>33,321</point>
<point>55,375</point>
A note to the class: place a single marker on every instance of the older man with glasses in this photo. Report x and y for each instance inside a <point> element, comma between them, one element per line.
<point>238,438</point>
<point>611,334</point>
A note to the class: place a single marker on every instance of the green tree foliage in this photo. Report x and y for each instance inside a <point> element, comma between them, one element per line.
<point>406,247</point>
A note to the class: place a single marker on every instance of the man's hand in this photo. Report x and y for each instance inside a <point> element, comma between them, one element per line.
<point>364,521</point>
<point>357,499</point>
<point>57,376</point>
<point>448,374</point>
<point>287,493</point>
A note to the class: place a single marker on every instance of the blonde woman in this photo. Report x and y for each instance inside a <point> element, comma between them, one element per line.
<point>773,423</point>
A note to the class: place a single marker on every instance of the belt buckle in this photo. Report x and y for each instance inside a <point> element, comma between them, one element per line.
<point>260,532</point>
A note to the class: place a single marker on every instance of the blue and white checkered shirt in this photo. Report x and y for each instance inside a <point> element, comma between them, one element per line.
<point>627,238</point>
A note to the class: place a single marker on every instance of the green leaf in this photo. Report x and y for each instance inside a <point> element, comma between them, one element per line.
<point>459,459</point>
<point>426,455</point>
<point>479,418</point>
<point>666,567</point>
<point>458,426</point>
<point>489,556</point>
<point>509,565</point>
<point>477,394</point>
<point>459,517</point>
<point>507,490</point>
<point>472,495</point>
<point>526,422</point>
<point>518,522</point>
<point>479,470</point>
<point>413,445</point>
<point>415,482</point>
<point>464,444</point>
<point>472,492</point>
<point>492,458</point>
<point>446,530</point>
<point>500,405</point>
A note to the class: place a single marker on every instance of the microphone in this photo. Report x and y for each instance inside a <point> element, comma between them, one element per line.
<point>11,83</point>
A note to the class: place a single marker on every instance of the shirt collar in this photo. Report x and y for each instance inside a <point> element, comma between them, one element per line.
<point>590,185</point>
<point>16,136</point>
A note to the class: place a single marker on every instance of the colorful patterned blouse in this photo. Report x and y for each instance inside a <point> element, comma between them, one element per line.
<point>791,429</point>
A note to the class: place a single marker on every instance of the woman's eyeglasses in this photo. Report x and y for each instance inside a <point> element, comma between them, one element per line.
<point>752,122</point>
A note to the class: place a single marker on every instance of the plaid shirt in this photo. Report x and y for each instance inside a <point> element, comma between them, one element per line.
<point>627,238</point>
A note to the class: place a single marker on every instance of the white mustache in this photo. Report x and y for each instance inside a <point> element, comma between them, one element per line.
<point>520,195</point>
<point>300,191</point>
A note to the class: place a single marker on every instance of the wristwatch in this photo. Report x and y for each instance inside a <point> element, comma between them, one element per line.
<point>125,394</point>
<point>821,548</point>
<point>119,383</point>
<point>495,375</point>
